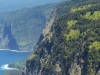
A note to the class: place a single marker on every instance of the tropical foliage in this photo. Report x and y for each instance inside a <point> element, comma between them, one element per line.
<point>75,45</point>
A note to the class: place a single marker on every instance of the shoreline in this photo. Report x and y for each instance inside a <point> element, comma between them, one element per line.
<point>6,67</point>
<point>13,50</point>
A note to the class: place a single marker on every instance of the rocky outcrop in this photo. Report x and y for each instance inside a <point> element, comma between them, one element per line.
<point>46,33</point>
<point>98,72</point>
<point>58,70</point>
<point>12,44</point>
<point>45,52</point>
<point>75,69</point>
<point>49,24</point>
<point>7,40</point>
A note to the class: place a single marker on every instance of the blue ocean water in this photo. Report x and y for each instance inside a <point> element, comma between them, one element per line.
<point>9,56</point>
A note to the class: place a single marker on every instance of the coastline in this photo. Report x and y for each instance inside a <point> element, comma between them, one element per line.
<point>6,67</point>
<point>13,50</point>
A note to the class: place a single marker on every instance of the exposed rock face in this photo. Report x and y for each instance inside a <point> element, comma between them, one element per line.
<point>58,70</point>
<point>58,55</point>
<point>75,69</point>
<point>12,44</point>
<point>7,39</point>
<point>47,29</point>
<point>47,34</point>
<point>98,72</point>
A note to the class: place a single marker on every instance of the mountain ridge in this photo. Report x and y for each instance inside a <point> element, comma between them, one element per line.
<point>74,47</point>
<point>26,26</point>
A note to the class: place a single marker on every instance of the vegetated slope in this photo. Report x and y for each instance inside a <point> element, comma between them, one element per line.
<point>21,29</point>
<point>72,46</point>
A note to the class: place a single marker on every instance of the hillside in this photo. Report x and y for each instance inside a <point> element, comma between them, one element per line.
<point>20,29</point>
<point>11,5</point>
<point>72,44</point>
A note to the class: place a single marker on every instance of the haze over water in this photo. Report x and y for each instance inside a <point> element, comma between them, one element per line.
<point>8,5</point>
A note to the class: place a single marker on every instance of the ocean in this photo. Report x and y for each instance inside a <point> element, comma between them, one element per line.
<point>10,56</point>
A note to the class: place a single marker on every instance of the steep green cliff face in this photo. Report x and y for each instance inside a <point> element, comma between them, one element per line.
<point>25,25</point>
<point>72,44</point>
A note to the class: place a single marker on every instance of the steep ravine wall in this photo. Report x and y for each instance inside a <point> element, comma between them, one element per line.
<point>46,39</point>
<point>26,26</point>
<point>69,48</point>
<point>46,33</point>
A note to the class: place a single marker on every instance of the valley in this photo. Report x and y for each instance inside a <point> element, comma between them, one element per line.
<point>64,38</point>
<point>21,29</point>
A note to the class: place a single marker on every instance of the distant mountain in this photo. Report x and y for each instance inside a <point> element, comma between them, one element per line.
<point>21,29</point>
<point>9,5</point>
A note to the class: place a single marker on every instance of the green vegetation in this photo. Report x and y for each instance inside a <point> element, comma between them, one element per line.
<point>73,34</point>
<point>94,16</point>
<point>31,56</point>
<point>74,9</point>
<point>71,23</point>
<point>19,65</point>
<point>14,72</point>
<point>74,48</point>
<point>95,45</point>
